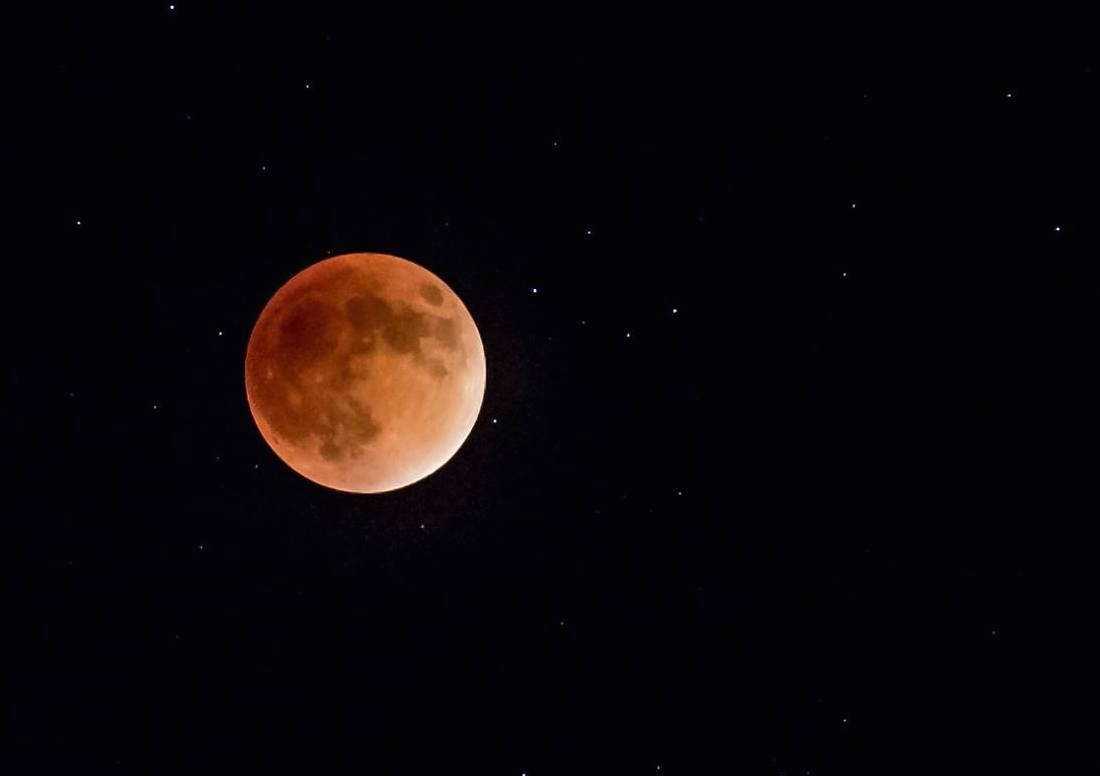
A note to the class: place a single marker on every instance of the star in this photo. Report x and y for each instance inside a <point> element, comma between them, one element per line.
<point>534,290</point>
<point>588,232</point>
<point>675,310</point>
<point>628,335</point>
<point>1008,95</point>
<point>219,333</point>
<point>1057,228</point>
<point>307,85</point>
<point>853,206</point>
<point>78,222</point>
<point>844,274</point>
<point>154,405</point>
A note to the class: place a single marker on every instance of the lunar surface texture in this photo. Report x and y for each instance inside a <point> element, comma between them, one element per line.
<point>365,373</point>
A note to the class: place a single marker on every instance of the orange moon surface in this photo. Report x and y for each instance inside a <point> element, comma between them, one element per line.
<point>365,373</point>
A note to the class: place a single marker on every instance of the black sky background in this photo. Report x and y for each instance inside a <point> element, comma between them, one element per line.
<point>828,517</point>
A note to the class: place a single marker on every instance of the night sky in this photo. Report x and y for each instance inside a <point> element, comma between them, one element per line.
<point>790,406</point>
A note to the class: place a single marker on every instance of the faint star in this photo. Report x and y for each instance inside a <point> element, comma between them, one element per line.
<point>1057,228</point>
<point>307,86</point>
<point>853,206</point>
<point>1008,95</point>
<point>219,333</point>
<point>494,421</point>
<point>844,274</point>
<point>628,335</point>
<point>78,222</point>
<point>154,406</point>
<point>202,546</point>
<point>588,232</point>
<point>534,290</point>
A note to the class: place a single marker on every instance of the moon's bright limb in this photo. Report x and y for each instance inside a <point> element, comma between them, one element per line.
<point>365,373</point>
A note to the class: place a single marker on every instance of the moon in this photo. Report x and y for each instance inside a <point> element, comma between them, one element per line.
<point>365,373</point>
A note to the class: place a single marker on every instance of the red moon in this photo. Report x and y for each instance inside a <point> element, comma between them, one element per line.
<point>365,373</point>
